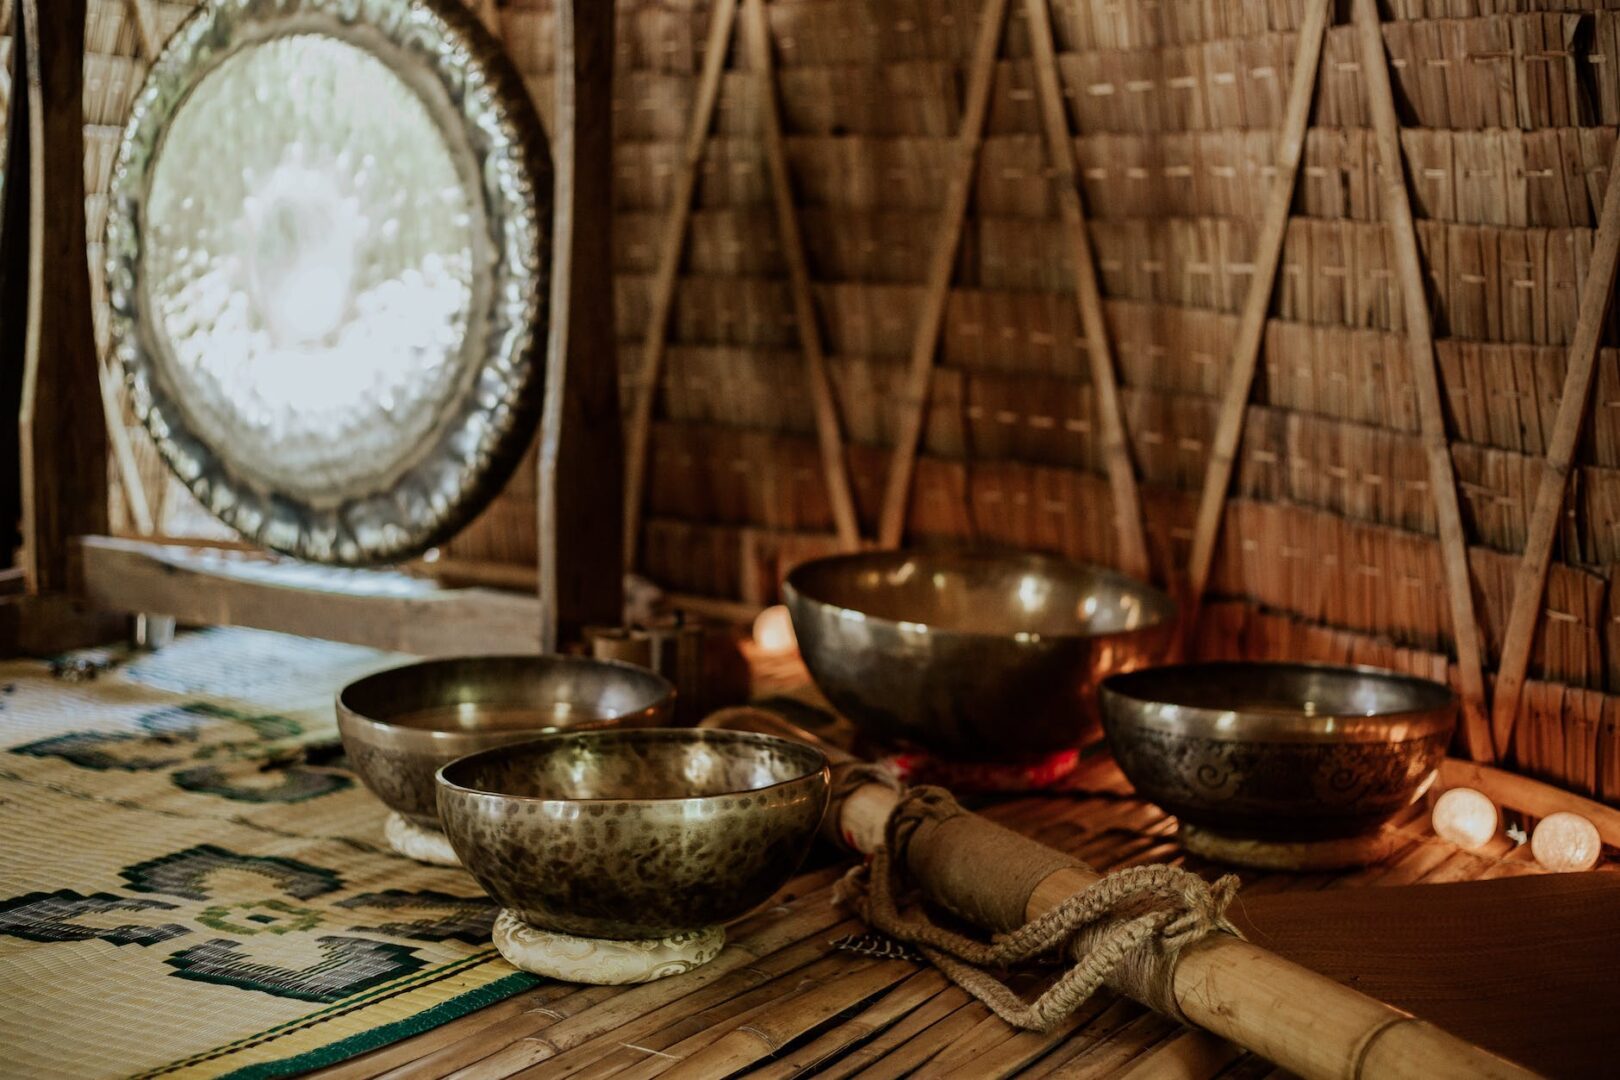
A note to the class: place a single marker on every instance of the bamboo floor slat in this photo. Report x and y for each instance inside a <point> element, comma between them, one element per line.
<point>781,1001</point>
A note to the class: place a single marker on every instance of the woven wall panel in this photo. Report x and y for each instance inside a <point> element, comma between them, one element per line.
<point>1509,109</point>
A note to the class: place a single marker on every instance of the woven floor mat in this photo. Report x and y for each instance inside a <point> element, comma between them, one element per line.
<point>190,885</point>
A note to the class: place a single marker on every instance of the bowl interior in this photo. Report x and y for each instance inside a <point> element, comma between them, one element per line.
<point>505,694</point>
<point>1282,693</point>
<point>639,764</point>
<point>983,593</point>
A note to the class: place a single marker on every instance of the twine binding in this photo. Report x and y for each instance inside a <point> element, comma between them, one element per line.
<point>1126,931</point>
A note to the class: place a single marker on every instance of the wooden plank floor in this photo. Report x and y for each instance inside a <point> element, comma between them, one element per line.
<point>810,1009</point>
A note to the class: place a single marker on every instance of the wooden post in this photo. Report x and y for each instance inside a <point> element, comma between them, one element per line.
<point>13,297</point>
<point>1256,305</point>
<point>722,16</point>
<point>1116,447</point>
<point>61,430</point>
<point>829,433</point>
<point>1530,582</point>
<point>936,291</point>
<point>1425,379</point>
<point>581,452</point>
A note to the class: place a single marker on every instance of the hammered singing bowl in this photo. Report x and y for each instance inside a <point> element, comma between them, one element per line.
<point>982,657</point>
<point>399,727</point>
<point>1278,751</point>
<point>634,834</point>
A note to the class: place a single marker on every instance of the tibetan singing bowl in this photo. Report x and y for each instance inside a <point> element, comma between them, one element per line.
<point>1278,751</point>
<point>971,656</point>
<point>638,833</point>
<point>400,726</point>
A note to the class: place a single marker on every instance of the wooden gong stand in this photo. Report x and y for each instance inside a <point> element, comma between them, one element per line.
<point>72,584</point>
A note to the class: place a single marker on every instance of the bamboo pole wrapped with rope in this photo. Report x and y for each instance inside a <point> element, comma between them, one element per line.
<point>1154,933</point>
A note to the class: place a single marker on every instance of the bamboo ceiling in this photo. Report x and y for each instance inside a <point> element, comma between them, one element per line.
<point>879,195</point>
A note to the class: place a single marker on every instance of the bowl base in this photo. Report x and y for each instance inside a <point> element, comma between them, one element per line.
<point>601,961</point>
<point>1339,853</point>
<point>418,841</point>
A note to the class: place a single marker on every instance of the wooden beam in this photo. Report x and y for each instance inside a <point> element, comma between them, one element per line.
<point>215,588</point>
<point>936,290</point>
<point>1116,448</point>
<point>1530,581</point>
<point>461,573</point>
<point>58,623</point>
<point>1252,322</point>
<point>829,432</point>
<point>581,458</point>
<point>722,16</point>
<point>61,429</point>
<point>1425,379</point>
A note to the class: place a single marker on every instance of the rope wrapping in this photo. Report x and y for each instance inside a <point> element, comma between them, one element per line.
<point>1125,931</point>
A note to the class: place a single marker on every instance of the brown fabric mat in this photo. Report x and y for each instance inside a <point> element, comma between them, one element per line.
<point>1528,967</point>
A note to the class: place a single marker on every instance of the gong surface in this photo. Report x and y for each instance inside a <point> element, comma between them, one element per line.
<point>327,256</point>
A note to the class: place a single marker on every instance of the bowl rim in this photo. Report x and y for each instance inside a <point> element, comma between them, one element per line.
<point>1161,606</point>
<point>442,739</point>
<point>445,785</point>
<point>1213,722</point>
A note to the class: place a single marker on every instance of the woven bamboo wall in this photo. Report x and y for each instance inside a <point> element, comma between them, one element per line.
<point>1329,545</point>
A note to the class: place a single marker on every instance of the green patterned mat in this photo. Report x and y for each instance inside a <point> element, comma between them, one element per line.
<point>192,885</point>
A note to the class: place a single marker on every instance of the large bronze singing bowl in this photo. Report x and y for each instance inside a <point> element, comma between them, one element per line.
<point>634,834</point>
<point>971,656</point>
<point>1278,751</point>
<point>400,726</point>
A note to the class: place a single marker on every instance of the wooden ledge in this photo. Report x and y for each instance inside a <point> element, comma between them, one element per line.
<point>384,609</point>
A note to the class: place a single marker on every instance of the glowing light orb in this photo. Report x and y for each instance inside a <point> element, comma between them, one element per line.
<point>1566,841</point>
<point>773,631</point>
<point>1465,817</point>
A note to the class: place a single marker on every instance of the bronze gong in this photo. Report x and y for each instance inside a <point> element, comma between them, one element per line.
<point>327,256</point>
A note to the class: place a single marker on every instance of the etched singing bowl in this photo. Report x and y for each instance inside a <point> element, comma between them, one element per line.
<point>634,834</point>
<point>399,727</point>
<point>1278,751</point>
<point>983,657</point>
<point>328,243</point>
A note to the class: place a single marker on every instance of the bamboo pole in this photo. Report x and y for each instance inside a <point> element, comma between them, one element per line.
<point>1116,449</point>
<point>925,340</point>
<point>1425,379</point>
<point>1530,582</point>
<point>1305,1022</point>
<point>829,433</point>
<point>1252,323</point>
<point>129,477</point>
<point>148,40</point>
<point>1302,1021</point>
<point>721,17</point>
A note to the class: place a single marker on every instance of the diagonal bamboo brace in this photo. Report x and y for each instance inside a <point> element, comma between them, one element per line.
<point>1305,1022</point>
